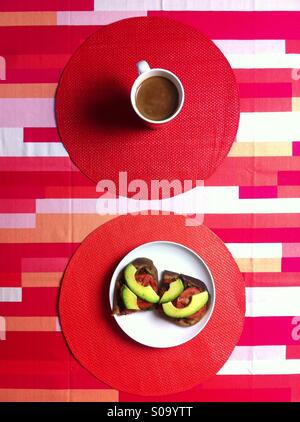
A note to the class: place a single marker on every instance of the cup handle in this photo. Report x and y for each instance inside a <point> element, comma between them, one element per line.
<point>142,67</point>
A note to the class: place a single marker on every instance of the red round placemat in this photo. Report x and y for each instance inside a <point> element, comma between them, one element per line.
<point>102,348</point>
<point>101,132</point>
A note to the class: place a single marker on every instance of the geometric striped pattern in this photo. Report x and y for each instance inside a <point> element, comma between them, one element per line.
<point>252,202</point>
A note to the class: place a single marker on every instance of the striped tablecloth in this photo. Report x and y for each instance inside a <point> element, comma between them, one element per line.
<point>47,206</point>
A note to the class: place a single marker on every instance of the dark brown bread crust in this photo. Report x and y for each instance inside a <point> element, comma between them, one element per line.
<point>188,281</point>
<point>140,264</point>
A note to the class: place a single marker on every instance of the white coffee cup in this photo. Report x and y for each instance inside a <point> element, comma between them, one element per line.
<point>146,72</point>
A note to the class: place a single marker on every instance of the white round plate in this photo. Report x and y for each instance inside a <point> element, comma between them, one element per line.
<point>148,327</point>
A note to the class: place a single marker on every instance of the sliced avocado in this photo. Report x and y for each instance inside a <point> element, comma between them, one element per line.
<point>197,302</point>
<point>175,288</point>
<point>129,299</point>
<point>146,293</point>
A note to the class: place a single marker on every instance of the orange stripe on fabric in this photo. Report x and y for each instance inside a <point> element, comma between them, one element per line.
<point>56,228</point>
<point>288,192</point>
<point>40,323</point>
<point>260,265</point>
<point>41,279</point>
<point>261,149</point>
<point>27,18</point>
<point>46,90</point>
<point>295,104</point>
<point>40,395</point>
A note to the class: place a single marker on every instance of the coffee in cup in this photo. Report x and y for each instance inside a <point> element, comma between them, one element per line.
<point>157,98</point>
<point>157,95</point>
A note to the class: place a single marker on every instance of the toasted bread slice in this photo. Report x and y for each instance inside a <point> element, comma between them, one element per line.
<point>123,305</point>
<point>189,282</point>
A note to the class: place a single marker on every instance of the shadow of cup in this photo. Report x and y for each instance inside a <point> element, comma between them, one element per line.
<point>108,107</point>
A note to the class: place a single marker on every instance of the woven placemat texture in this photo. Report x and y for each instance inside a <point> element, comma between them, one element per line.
<point>99,344</point>
<point>100,130</point>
